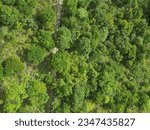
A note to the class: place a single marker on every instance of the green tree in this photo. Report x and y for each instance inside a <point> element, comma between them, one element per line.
<point>26,6</point>
<point>9,2</point>
<point>70,7</point>
<point>47,15</point>
<point>84,46</point>
<point>35,54</point>
<point>84,3</point>
<point>89,106</point>
<point>1,71</point>
<point>37,98</point>
<point>92,75</point>
<point>12,66</point>
<point>82,13</point>
<point>46,18</point>
<point>8,15</point>
<point>63,39</point>
<point>61,62</point>
<point>3,31</point>
<point>79,96</point>
<point>103,34</point>
<point>144,102</point>
<point>44,39</point>
<point>15,94</point>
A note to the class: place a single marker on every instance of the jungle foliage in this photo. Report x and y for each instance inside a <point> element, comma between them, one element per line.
<point>97,60</point>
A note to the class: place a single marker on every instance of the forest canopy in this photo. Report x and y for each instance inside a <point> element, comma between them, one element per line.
<point>78,56</point>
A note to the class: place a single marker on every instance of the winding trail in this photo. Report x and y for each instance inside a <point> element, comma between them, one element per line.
<point>59,6</point>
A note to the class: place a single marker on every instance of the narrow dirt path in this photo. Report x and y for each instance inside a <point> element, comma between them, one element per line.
<point>59,7</point>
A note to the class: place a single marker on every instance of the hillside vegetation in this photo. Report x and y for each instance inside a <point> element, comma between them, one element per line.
<point>96,60</point>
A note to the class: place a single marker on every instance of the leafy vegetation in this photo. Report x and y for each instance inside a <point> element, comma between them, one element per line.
<point>88,56</point>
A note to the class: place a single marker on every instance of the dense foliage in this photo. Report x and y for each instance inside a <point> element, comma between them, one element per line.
<point>96,60</point>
